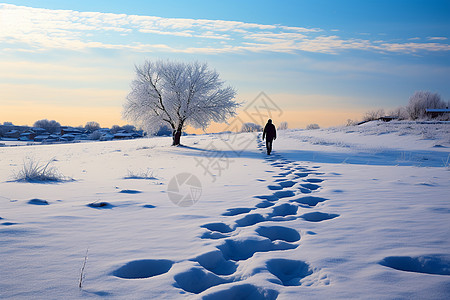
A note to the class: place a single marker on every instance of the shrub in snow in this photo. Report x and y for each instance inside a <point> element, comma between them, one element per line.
<point>34,171</point>
<point>399,113</point>
<point>251,127</point>
<point>351,122</point>
<point>115,129</point>
<point>283,126</point>
<point>164,130</point>
<point>372,115</point>
<point>148,174</point>
<point>312,126</point>
<point>422,100</point>
<point>128,128</point>
<point>50,126</point>
<point>178,94</point>
<point>96,135</point>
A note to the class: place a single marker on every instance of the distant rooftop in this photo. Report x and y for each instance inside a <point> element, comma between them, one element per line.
<point>438,110</point>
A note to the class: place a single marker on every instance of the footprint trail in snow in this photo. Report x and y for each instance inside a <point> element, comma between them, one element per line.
<point>251,230</point>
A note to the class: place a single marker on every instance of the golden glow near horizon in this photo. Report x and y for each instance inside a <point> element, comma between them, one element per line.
<point>109,116</point>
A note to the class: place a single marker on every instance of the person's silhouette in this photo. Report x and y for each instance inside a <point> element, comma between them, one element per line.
<point>270,134</point>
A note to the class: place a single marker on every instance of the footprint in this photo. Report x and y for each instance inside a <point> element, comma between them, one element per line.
<point>428,264</point>
<point>236,211</point>
<point>309,200</point>
<point>287,183</point>
<point>264,204</point>
<point>215,262</point>
<point>8,223</point>
<point>318,216</point>
<point>314,180</point>
<point>213,235</point>
<point>130,192</point>
<point>148,206</point>
<point>275,187</point>
<point>301,175</point>
<point>284,194</point>
<point>283,210</point>
<point>279,233</point>
<point>197,280</point>
<point>289,272</point>
<point>243,291</point>
<point>100,205</point>
<point>219,227</point>
<point>304,190</point>
<point>310,186</point>
<point>38,202</point>
<point>242,249</point>
<point>250,220</point>
<point>284,174</point>
<point>268,197</point>
<point>144,268</point>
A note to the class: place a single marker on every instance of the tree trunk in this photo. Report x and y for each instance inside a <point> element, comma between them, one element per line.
<point>176,137</point>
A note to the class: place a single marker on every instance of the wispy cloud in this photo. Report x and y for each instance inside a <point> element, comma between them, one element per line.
<point>32,29</point>
<point>436,38</point>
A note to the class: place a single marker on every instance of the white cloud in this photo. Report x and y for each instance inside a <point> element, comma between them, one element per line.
<point>33,29</point>
<point>436,38</point>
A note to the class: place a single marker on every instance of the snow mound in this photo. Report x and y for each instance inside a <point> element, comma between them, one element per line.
<point>243,291</point>
<point>215,262</point>
<point>196,280</point>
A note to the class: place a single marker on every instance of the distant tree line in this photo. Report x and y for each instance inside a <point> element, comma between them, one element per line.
<point>252,127</point>
<point>418,103</point>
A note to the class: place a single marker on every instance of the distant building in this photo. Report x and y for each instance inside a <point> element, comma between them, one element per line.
<point>387,118</point>
<point>436,112</point>
<point>41,138</point>
<point>12,134</point>
<point>123,136</point>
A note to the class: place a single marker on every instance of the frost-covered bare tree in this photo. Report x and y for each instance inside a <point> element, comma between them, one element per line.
<point>178,94</point>
<point>420,101</point>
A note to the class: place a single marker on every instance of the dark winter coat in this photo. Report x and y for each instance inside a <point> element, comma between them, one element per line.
<point>270,132</point>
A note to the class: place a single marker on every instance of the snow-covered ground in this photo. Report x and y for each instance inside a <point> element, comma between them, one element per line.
<point>356,212</point>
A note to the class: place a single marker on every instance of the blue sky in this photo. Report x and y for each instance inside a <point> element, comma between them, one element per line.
<point>320,61</point>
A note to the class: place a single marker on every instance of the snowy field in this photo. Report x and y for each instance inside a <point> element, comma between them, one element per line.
<point>357,212</point>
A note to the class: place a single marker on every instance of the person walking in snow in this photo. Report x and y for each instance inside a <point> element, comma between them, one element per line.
<point>270,133</point>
